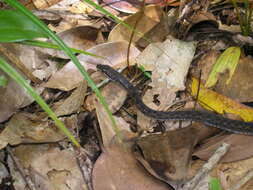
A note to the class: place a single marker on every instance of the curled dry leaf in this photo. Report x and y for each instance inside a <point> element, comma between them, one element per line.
<point>73,103</point>
<point>105,123</point>
<point>50,167</point>
<point>81,37</point>
<point>123,6</point>
<point>114,53</point>
<point>115,97</point>
<point>149,19</point>
<point>12,97</point>
<point>240,87</point>
<point>169,154</point>
<point>117,168</point>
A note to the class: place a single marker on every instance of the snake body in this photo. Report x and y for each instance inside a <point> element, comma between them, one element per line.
<point>208,118</point>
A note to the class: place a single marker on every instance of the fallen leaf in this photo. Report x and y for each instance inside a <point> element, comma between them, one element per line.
<point>12,97</point>
<point>219,103</point>
<point>239,147</point>
<point>29,128</point>
<point>105,123</point>
<point>149,19</point>
<point>169,153</point>
<point>117,168</point>
<point>69,76</point>
<point>73,103</point>
<point>227,61</point>
<point>81,37</point>
<point>50,167</point>
<point>240,87</point>
<point>169,62</point>
<point>115,97</point>
<point>123,6</point>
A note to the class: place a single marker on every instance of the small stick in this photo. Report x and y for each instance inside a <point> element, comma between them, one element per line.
<point>21,170</point>
<point>243,180</point>
<point>203,172</point>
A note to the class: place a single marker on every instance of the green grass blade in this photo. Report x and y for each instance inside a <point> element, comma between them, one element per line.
<point>53,46</point>
<point>22,82</point>
<point>214,184</point>
<point>3,81</point>
<point>68,52</point>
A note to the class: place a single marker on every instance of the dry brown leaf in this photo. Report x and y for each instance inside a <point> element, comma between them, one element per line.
<point>29,128</point>
<point>50,167</point>
<point>105,123</point>
<point>12,97</point>
<point>169,154</point>
<point>117,168</point>
<point>240,87</point>
<point>69,77</point>
<point>239,147</point>
<point>81,37</point>
<point>151,17</point>
<point>115,97</point>
<point>73,103</point>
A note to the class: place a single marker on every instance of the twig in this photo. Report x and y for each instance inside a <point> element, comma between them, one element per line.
<point>212,162</point>
<point>243,180</point>
<point>21,170</point>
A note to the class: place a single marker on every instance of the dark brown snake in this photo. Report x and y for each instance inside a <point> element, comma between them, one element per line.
<point>208,118</point>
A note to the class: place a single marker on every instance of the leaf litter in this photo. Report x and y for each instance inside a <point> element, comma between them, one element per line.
<point>153,155</point>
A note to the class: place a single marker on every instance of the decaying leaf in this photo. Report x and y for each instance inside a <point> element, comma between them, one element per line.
<point>50,167</point>
<point>240,87</point>
<point>29,128</point>
<point>169,62</point>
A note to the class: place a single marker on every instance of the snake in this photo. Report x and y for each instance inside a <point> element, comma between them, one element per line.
<point>210,119</point>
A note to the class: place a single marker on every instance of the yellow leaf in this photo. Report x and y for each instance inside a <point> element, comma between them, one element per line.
<point>221,104</point>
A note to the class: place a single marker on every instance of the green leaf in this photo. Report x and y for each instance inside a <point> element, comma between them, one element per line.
<point>214,184</point>
<point>15,26</point>
<point>227,61</point>
<point>3,81</point>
